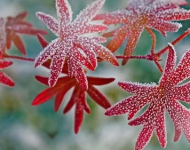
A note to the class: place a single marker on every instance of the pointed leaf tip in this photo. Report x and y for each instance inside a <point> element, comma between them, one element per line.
<point>6,80</point>
<point>42,40</point>
<point>44,96</point>
<point>52,82</point>
<point>41,79</point>
<point>107,112</point>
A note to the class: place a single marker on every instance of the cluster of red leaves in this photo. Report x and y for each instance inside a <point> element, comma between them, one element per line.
<point>161,97</point>
<point>78,98</point>
<point>10,27</point>
<point>140,14</point>
<point>17,25</point>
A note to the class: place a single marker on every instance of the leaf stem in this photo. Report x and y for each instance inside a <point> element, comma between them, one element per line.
<point>174,42</point>
<point>153,39</point>
<point>147,57</point>
<point>18,57</point>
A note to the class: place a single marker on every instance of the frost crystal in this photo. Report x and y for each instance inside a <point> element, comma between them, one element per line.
<point>70,45</point>
<point>161,97</point>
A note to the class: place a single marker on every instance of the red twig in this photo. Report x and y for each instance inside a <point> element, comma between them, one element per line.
<point>153,39</point>
<point>174,42</point>
<point>18,57</point>
<point>147,57</point>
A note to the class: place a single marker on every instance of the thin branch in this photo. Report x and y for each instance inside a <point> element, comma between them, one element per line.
<point>187,32</point>
<point>153,39</point>
<point>147,57</point>
<point>159,66</point>
<point>19,58</point>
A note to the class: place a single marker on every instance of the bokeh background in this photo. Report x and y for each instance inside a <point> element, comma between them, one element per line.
<point>25,127</point>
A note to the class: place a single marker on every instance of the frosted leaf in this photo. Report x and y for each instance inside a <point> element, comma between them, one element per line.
<point>164,26</point>
<point>79,50</point>
<point>56,66</point>
<point>89,12</point>
<point>155,14</point>
<point>118,37</point>
<point>47,53</point>
<point>114,17</point>
<point>64,13</point>
<point>170,65</point>
<point>99,39</point>
<point>182,93</point>
<point>181,118</point>
<point>51,22</point>
<point>133,3</point>
<point>144,137</point>
<point>89,28</point>
<point>134,87</point>
<point>161,97</point>
<point>175,14</point>
<point>133,39</point>
<point>182,71</point>
<point>178,2</point>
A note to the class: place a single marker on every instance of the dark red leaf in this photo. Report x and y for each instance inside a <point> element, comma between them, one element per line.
<point>4,79</point>
<point>71,102</point>
<point>42,40</point>
<point>19,44</point>
<point>59,97</point>
<point>79,115</point>
<point>98,97</point>
<point>44,96</point>
<point>79,109</point>
<point>99,80</point>
<point>21,16</point>
<point>4,64</point>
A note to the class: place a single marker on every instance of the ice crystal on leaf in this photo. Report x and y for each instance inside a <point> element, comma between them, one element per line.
<point>4,79</point>
<point>17,25</point>
<point>161,97</point>
<point>138,15</point>
<point>71,44</point>
<point>78,97</point>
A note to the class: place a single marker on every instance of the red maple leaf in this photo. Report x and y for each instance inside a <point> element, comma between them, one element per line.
<point>71,44</point>
<point>17,25</point>
<point>161,97</point>
<point>78,97</point>
<point>4,79</point>
<point>138,15</point>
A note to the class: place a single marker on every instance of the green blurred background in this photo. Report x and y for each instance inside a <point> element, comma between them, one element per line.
<point>25,127</point>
